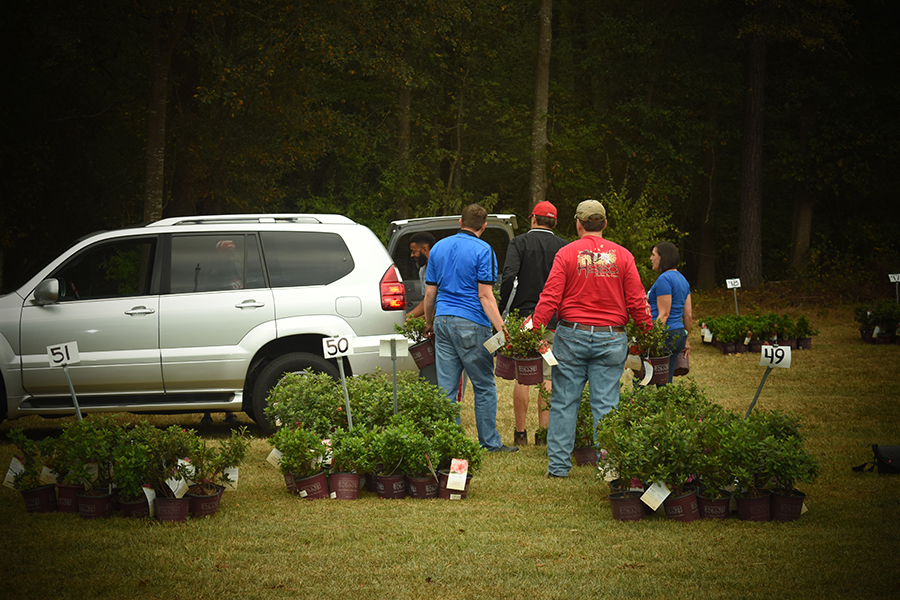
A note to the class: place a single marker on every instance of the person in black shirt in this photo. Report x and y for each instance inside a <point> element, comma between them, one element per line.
<point>528,262</point>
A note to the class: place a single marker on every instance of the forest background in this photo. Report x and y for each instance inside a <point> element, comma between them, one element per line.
<point>759,135</point>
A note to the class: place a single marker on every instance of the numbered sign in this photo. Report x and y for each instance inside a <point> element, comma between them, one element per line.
<point>337,346</point>
<point>733,283</point>
<point>63,354</point>
<point>895,277</point>
<point>775,356</point>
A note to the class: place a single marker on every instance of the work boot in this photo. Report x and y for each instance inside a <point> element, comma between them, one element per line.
<point>521,438</point>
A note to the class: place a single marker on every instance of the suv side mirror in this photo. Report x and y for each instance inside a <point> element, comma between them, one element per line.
<point>47,292</point>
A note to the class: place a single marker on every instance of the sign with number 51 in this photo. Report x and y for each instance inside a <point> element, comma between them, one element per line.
<point>61,355</point>
<point>775,356</point>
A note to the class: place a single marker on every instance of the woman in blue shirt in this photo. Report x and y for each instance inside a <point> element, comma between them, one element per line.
<point>670,299</point>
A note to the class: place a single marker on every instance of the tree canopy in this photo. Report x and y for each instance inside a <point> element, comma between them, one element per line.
<point>382,109</point>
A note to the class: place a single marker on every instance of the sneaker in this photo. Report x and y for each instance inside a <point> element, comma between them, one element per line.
<point>520,438</point>
<point>503,448</point>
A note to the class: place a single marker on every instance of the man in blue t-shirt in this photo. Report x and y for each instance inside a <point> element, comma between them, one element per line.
<point>460,309</point>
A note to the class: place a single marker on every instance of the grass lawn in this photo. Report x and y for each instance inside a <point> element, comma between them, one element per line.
<point>518,535</point>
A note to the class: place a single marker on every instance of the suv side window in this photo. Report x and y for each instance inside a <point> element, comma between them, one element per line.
<point>301,258</point>
<point>115,269</point>
<point>213,263</point>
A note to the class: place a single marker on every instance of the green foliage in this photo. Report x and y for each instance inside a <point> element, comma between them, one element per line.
<point>308,400</point>
<point>96,440</point>
<point>167,447</point>
<point>413,329</point>
<point>652,342</point>
<point>402,448</point>
<point>210,459</point>
<point>353,451</point>
<point>521,342</point>
<point>135,460</point>
<point>450,441</point>
<point>29,454</point>
<point>584,422</point>
<point>302,449</point>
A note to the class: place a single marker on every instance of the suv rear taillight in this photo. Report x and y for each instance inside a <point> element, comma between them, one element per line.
<point>393,294</point>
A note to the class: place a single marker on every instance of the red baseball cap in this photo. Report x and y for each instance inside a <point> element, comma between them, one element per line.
<point>544,209</point>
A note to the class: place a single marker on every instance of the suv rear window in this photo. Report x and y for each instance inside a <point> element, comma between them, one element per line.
<point>301,258</point>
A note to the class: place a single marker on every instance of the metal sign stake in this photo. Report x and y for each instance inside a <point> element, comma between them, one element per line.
<point>65,369</point>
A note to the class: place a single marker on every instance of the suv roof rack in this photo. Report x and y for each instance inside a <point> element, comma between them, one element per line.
<point>246,218</point>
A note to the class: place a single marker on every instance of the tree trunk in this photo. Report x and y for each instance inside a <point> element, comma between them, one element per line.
<point>750,226</point>
<point>706,257</point>
<point>403,108</point>
<point>539,140</point>
<point>804,201</point>
<point>164,41</point>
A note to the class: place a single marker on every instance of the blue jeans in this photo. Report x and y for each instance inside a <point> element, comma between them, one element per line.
<point>597,357</point>
<point>458,345</point>
<point>675,343</point>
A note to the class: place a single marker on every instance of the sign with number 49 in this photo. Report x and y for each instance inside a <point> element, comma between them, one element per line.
<point>775,356</point>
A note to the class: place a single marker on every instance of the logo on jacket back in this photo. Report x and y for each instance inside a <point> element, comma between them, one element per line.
<point>598,264</point>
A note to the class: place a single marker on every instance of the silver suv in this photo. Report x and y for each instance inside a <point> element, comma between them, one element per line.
<point>197,314</point>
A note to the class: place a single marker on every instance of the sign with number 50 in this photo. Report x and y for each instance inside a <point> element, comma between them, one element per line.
<point>337,346</point>
<point>775,356</point>
<point>63,354</point>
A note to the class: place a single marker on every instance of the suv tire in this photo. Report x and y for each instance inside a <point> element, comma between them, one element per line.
<point>272,373</point>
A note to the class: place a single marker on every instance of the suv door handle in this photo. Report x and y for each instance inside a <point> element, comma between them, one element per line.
<point>250,304</point>
<point>140,310</point>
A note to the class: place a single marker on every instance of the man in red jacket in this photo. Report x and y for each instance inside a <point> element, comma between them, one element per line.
<point>593,287</point>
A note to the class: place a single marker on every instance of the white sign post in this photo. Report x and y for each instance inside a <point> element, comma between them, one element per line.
<point>734,284</point>
<point>895,279</point>
<point>63,355</point>
<point>339,347</point>
<point>771,357</point>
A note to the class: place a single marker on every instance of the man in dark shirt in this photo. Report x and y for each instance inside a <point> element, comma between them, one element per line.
<point>528,262</point>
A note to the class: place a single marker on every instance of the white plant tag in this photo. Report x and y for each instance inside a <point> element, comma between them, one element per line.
<point>528,324</point>
<point>150,494</point>
<point>189,469</point>
<point>648,374</point>
<point>707,336</point>
<point>274,457</point>
<point>459,467</point>
<point>495,342</point>
<point>303,494</point>
<point>747,341</point>
<point>803,508</point>
<point>48,477</point>
<point>655,495</point>
<point>232,473</point>
<point>93,471</point>
<point>333,495</point>
<point>455,496</point>
<point>179,487</point>
<point>548,356</point>
<point>633,362</point>
<point>15,467</point>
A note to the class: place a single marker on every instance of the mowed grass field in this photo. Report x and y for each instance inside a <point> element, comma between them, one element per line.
<point>518,535</point>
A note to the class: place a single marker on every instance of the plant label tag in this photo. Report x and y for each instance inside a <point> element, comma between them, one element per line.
<point>60,355</point>
<point>188,468</point>
<point>707,336</point>
<point>803,508</point>
<point>455,497</point>
<point>232,474</point>
<point>655,495</point>
<point>150,494</point>
<point>47,476</point>
<point>548,356</point>
<point>303,494</point>
<point>277,422</point>
<point>648,375</point>
<point>178,486</point>
<point>528,323</point>
<point>775,356</point>
<point>274,458</point>
<point>15,467</point>
<point>93,471</point>
<point>733,284</point>
<point>495,342</point>
<point>333,495</point>
<point>747,341</point>
<point>894,277</point>
<point>459,467</point>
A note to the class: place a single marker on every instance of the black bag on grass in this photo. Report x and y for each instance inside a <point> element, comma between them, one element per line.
<point>887,460</point>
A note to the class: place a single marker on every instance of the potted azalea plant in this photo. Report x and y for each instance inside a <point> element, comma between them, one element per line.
<point>39,496</point>
<point>623,463</point>
<point>450,442</point>
<point>95,442</point>
<point>211,463</point>
<point>352,455</point>
<point>525,345</point>
<point>301,462</point>
<point>132,467</point>
<point>652,345</point>
<point>791,464</point>
<point>804,332</point>
<point>169,472</point>
<point>421,346</point>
